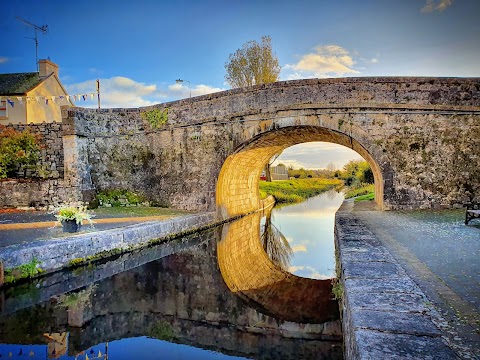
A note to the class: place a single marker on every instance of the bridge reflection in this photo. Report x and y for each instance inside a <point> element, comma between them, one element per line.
<point>249,272</point>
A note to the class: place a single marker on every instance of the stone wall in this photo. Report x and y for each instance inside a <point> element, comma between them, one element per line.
<point>420,136</point>
<point>50,186</point>
<point>51,159</point>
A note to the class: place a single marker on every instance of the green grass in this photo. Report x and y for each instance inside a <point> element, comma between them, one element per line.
<point>363,190</point>
<point>132,211</point>
<point>367,197</point>
<point>291,191</point>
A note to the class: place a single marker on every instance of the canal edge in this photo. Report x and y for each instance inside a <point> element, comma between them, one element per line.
<point>385,314</point>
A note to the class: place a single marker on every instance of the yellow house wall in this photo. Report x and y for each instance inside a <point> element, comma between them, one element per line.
<point>38,112</point>
<point>16,115</point>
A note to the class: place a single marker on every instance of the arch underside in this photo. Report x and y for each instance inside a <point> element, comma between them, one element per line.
<point>237,186</point>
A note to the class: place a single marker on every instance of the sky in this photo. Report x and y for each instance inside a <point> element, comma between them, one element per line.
<point>139,48</point>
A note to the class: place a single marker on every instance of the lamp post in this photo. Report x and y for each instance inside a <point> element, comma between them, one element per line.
<point>180,81</point>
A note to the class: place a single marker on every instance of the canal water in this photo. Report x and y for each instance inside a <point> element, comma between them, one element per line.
<point>308,228</point>
<point>213,295</point>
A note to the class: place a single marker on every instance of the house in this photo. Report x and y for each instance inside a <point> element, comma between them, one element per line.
<point>33,97</point>
<point>279,172</point>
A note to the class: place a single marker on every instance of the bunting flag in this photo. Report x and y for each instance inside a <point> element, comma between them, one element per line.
<point>58,99</point>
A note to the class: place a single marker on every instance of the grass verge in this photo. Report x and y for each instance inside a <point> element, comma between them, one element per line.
<point>134,211</point>
<point>367,197</point>
<point>291,191</point>
<point>363,190</point>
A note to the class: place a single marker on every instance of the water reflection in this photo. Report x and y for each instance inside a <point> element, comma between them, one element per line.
<point>164,302</point>
<point>249,272</point>
<point>308,228</point>
<point>275,244</point>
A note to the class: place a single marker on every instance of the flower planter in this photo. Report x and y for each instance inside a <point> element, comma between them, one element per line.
<point>70,226</point>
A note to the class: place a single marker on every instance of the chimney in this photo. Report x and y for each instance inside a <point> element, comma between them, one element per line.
<point>47,67</point>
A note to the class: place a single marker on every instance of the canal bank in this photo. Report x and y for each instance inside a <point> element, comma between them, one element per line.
<point>386,313</point>
<point>52,254</point>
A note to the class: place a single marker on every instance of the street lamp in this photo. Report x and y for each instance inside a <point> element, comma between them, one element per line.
<point>180,81</point>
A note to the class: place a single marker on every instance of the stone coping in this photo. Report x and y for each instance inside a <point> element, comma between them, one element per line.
<point>385,314</point>
<point>56,253</point>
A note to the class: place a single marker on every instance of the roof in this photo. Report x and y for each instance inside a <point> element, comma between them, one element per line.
<point>19,83</point>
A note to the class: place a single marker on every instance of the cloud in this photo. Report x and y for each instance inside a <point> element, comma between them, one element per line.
<point>436,5</point>
<point>326,60</point>
<point>183,91</point>
<point>3,59</point>
<point>316,155</point>
<point>309,272</point>
<point>123,92</point>
<point>299,248</point>
<point>118,91</point>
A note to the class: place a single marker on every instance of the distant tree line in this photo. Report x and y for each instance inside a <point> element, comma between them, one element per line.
<point>355,172</point>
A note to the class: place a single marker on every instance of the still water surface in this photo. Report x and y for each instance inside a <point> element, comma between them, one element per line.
<point>214,295</point>
<point>308,228</point>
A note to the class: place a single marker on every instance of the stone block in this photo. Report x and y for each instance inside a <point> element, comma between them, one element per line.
<point>371,270</point>
<point>380,345</point>
<point>394,322</point>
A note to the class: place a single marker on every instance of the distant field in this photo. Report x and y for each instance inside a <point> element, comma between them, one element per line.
<point>290,191</point>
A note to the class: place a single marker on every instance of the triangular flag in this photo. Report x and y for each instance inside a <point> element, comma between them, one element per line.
<point>99,353</point>
<point>37,98</point>
<point>86,357</point>
<point>92,95</point>
<point>10,102</point>
<point>84,97</point>
<point>75,97</point>
<point>46,101</point>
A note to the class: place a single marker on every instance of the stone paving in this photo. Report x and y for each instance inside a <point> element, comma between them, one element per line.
<point>441,255</point>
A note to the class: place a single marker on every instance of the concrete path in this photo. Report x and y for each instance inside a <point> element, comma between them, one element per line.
<point>442,255</point>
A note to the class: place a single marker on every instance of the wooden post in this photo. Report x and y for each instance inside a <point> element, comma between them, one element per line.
<point>98,93</point>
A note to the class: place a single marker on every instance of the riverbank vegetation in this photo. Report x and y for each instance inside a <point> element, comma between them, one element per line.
<point>297,190</point>
<point>356,177</point>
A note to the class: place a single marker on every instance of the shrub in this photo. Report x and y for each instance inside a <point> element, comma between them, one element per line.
<point>119,197</point>
<point>155,117</point>
<point>77,213</point>
<point>17,150</point>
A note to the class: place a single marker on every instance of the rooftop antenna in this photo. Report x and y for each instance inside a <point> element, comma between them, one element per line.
<point>43,30</point>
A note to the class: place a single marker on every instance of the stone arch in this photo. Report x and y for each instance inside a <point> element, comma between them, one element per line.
<point>237,186</point>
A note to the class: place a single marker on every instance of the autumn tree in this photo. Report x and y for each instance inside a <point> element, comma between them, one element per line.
<point>253,64</point>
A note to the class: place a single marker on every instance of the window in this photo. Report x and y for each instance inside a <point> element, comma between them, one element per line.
<point>3,109</point>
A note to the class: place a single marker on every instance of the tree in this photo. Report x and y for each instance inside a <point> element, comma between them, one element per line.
<point>253,64</point>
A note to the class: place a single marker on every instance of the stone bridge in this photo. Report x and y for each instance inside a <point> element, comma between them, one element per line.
<point>421,137</point>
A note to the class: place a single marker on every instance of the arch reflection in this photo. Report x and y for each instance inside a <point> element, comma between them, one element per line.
<point>249,272</point>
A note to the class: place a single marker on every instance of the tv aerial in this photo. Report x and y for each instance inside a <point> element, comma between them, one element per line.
<point>43,30</point>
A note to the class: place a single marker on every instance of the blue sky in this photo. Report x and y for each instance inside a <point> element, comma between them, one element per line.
<point>138,48</point>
